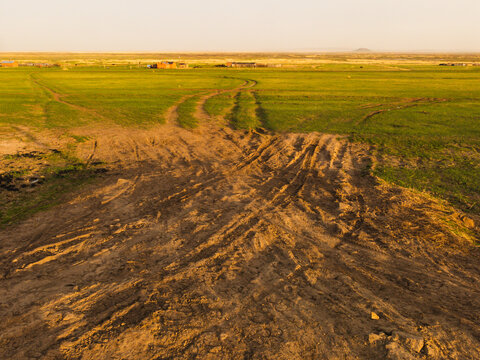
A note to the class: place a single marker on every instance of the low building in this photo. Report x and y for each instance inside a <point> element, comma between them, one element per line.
<point>9,64</point>
<point>269,65</point>
<point>453,64</point>
<point>242,64</point>
<point>41,65</point>
<point>167,65</point>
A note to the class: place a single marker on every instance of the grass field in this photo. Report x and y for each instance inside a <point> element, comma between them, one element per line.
<point>423,120</point>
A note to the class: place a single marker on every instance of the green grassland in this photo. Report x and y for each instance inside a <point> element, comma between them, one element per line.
<point>423,120</point>
<point>125,97</point>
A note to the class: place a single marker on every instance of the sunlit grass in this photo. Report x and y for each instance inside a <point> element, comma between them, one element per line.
<point>424,120</point>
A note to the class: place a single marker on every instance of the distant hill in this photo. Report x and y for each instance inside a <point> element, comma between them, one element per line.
<point>363,50</point>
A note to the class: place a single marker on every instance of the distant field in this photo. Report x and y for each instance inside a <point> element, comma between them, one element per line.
<point>423,120</point>
<point>122,96</point>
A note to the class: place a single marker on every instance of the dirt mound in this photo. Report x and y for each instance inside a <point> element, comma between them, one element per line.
<point>218,244</point>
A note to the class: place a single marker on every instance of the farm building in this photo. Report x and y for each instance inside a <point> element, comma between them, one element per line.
<point>39,64</point>
<point>453,64</point>
<point>242,64</point>
<point>167,65</point>
<point>270,65</point>
<point>9,63</point>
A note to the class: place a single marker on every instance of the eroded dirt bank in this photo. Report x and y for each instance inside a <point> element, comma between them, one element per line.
<point>216,244</point>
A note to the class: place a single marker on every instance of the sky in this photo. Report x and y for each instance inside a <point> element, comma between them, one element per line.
<point>242,25</point>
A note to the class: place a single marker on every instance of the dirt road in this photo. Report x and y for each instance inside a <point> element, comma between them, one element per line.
<point>221,244</point>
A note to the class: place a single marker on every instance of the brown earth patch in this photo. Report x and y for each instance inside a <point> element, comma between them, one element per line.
<point>219,244</point>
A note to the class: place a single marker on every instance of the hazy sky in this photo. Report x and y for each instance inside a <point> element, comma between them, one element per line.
<point>242,25</point>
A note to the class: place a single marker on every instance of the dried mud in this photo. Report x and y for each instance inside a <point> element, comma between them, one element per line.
<point>223,244</point>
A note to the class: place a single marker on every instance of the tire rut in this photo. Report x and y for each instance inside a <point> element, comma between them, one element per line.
<point>234,245</point>
<point>59,98</point>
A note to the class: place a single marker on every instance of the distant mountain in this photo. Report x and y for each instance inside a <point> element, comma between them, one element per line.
<point>363,50</point>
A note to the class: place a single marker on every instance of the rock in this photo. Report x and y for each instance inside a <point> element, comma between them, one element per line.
<point>374,316</point>
<point>373,338</point>
<point>412,342</point>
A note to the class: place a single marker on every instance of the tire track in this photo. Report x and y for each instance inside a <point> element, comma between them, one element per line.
<point>202,114</point>
<point>408,104</point>
<point>235,245</point>
<point>59,98</point>
<point>171,115</point>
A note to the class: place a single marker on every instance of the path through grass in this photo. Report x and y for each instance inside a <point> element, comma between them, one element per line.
<point>423,120</point>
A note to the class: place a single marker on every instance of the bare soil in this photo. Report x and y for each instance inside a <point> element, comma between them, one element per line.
<point>222,244</point>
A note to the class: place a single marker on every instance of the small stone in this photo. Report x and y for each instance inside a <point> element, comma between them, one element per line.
<point>415,343</point>
<point>373,338</point>
<point>468,222</point>
<point>374,316</point>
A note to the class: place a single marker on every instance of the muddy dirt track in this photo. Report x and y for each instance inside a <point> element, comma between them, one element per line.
<point>222,244</point>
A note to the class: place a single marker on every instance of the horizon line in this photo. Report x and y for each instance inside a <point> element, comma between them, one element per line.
<point>359,51</point>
